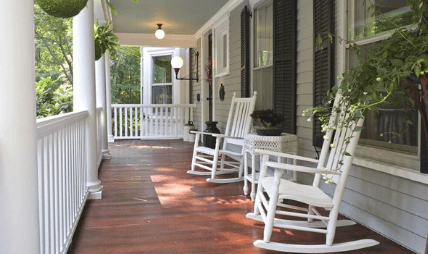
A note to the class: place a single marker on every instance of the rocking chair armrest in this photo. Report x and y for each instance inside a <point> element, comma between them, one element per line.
<point>224,136</point>
<point>301,168</point>
<point>286,155</point>
<point>203,133</point>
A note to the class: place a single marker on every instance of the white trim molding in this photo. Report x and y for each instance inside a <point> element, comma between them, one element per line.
<point>170,40</point>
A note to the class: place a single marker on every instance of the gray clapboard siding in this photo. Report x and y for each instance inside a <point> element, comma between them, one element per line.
<point>232,81</point>
<point>395,207</point>
<point>304,74</point>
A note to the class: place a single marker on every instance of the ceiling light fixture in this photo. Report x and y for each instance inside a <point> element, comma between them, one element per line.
<point>160,33</point>
<point>177,62</point>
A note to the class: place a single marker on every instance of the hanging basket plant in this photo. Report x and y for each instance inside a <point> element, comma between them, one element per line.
<point>105,40</point>
<point>62,8</point>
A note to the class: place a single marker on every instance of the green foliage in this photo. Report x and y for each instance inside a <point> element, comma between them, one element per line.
<point>378,79</point>
<point>62,8</point>
<point>267,117</point>
<point>105,40</point>
<point>125,76</point>
<point>54,69</point>
<point>53,42</point>
<point>53,98</point>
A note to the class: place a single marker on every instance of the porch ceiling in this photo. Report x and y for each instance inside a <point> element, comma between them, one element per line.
<point>182,17</point>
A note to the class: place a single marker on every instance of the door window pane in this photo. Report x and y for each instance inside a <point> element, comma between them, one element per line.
<point>162,94</point>
<point>162,69</point>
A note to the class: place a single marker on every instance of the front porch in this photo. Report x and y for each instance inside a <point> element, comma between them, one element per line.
<point>150,205</point>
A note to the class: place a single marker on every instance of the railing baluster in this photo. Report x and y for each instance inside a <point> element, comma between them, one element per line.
<point>120,123</point>
<point>115,123</point>
<point>55,190</point>
<point>136,122</point>
<point>126,121</point>
<point>41,183</point>
<point>130,122</point>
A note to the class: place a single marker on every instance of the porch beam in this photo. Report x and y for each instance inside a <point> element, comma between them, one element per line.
<point>100,70</point>
<point>19,217</point>
<point>84,89</point>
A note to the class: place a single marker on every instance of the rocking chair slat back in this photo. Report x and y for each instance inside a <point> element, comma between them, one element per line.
<point>333,152</point>
<point>240,109</point>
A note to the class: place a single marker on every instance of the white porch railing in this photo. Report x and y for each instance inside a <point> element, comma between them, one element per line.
<point>156,121</point>
<point>62,177</point>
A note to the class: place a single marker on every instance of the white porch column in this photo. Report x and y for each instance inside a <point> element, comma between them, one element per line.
<point>84,88</point>
<point>108,98</point>
<point>100,70</point>
<point>19,220</point>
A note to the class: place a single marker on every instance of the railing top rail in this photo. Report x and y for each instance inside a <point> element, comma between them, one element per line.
<point>99,109</point>
<point>153,105</point>
<point>49,125</point>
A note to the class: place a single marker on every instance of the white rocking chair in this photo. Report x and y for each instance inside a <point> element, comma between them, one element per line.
<point>278,189</point>
<point>238,124</point>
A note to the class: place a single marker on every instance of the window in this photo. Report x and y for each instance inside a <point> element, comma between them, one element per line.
<point>365,24</point>
<point>221,44</point>
<point>162,80</point>
<point>263,55</point>
<point>263,44</point>
<point>385,128</point>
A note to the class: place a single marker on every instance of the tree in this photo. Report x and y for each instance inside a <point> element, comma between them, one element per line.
<point>54,64</point>
<point>125,76</point>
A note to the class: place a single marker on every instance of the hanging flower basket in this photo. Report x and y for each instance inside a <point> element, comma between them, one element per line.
<point>62,8</point>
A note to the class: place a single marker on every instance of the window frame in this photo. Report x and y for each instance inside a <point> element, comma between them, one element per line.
<point>405,168</point>
<point>220,30</point>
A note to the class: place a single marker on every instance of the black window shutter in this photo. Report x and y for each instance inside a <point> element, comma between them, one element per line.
<point>245,53</point>
<point>323,60</point>
<point>284,57</point>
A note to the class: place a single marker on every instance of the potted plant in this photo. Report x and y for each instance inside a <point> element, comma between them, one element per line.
<point>62,8</point>
<point>269,120</point>
<point>105,40</point>
<point>393,74</point>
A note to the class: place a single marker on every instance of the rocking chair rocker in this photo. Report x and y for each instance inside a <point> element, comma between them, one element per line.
<point>278,189</point>
<point>238,124</point>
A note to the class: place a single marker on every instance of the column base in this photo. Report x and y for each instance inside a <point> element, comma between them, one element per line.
<point>110,139</point>
<point>95,192</point>
<point>95,195</point>
<point>106,155</point>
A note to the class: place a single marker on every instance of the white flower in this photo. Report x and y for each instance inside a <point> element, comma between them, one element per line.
<point>309,119</point>
<point>365,93</point>
<point>303,114</point>
<point>325,137</point>
<point>332,145</point>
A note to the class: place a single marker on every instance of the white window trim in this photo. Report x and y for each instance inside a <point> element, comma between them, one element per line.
<point>221,29</point>
<point>361,159</point>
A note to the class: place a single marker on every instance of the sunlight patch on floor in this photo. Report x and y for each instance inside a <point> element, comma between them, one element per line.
<point>151,147</point>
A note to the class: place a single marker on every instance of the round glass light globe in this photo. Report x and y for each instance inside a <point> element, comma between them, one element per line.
<point>160,34</point>
<point>177,62</point>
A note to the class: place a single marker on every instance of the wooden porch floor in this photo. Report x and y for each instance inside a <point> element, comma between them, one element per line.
<point>150,205</point>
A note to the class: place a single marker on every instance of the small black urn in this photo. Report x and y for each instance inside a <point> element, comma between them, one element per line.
<point>209,141</point>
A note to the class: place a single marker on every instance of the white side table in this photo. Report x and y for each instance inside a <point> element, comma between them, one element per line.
<point>286,143</point>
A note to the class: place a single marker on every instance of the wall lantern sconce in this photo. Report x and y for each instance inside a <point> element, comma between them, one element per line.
<point>160,33</point>
<point>177,62</point>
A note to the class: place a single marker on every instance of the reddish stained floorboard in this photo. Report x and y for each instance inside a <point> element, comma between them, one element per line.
<point>150,205</point>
